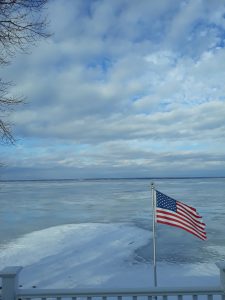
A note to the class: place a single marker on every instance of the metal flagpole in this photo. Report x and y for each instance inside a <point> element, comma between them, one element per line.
<point>154,234</point>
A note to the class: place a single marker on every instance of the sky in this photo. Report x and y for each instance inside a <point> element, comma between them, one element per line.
<point>122,88</point>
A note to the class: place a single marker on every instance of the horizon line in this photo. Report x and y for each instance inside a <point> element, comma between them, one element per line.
<point>115,178</point>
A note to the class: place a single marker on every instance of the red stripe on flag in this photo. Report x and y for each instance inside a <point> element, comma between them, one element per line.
<point>188,207</point>
<point>189,213</point>
<point>197,222</point>
<point>200,226</point>
<point>202,237</point>
<point>174,219</point>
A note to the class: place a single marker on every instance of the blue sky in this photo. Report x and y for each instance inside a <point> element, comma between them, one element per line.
<point>123,88</point>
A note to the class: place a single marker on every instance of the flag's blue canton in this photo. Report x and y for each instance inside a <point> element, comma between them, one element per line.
<point>163,201</point>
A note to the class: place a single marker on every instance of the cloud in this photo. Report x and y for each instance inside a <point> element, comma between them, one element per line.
<point>181,123</point>
<point>112,160</point>
<point>123,73</point>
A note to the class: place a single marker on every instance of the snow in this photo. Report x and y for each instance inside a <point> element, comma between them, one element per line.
<point>95,255</point>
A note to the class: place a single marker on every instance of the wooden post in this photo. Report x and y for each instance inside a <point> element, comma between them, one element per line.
<point>9,277</point>
<point>221,266</point>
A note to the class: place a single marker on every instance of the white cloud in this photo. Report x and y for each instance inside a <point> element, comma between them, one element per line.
<point>121,72</point>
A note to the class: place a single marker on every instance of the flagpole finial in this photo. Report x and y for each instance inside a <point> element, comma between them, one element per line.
<point>152,185</point>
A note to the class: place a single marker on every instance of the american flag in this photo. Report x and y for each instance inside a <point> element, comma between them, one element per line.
<point>178,214</point>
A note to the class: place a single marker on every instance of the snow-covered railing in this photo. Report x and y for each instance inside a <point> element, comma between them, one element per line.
<point>11,291</point>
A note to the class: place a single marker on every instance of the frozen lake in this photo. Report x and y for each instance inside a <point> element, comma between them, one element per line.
<point>99,232</point>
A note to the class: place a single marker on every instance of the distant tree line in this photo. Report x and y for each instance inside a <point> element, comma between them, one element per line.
<point>21,24</point>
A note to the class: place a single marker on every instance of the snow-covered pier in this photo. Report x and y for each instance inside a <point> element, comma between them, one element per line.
<point>11,291</point>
